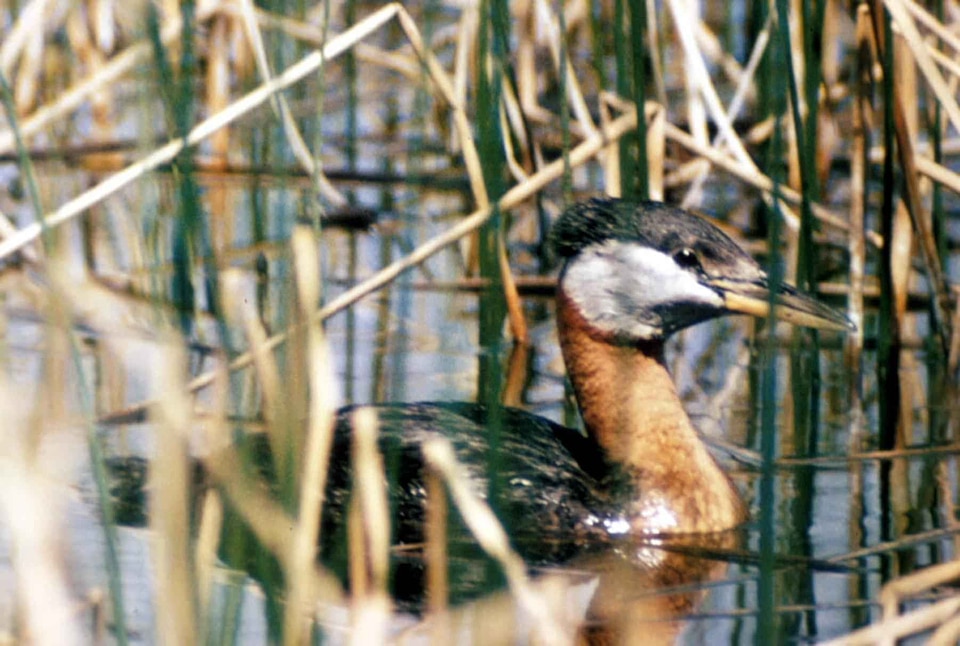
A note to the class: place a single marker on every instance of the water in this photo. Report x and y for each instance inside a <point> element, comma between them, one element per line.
<point>410,344</point>
<point>413,343</point>
<point>422,348</point>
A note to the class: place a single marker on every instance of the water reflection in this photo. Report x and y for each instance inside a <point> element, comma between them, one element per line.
<point>644,588</point>
<point>648,589</point>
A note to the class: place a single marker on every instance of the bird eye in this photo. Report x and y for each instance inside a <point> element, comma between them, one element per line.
<point>687,258</point>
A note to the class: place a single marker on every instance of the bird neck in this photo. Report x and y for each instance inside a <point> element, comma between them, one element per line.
<point>631,409</point>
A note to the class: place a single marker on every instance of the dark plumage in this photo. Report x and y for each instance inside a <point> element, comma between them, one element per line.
<point>554,509</point>
<point>651,224</point>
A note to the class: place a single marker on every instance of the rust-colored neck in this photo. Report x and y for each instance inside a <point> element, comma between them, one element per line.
<point>631,409</point>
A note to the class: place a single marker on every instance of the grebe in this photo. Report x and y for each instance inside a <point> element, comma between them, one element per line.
<point>633,274</point>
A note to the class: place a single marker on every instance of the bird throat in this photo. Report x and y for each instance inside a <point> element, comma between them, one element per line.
<point>630,407</point>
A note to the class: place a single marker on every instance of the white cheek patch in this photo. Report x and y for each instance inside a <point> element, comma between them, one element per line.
<point>621,287</point>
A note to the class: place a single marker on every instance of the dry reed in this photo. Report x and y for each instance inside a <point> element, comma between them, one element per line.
<point>710,89</point>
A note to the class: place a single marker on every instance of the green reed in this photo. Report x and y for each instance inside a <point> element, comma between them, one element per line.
<point>768,625</point>
<point>805,351</point>
<point>493,43</point>
<point>888,330</point>
<point>629,54</point>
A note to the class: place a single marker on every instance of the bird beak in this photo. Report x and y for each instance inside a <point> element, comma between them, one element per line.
<point>790,305</point>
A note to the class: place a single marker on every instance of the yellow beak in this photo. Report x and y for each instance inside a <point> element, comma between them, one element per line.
<point>789,304</point>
